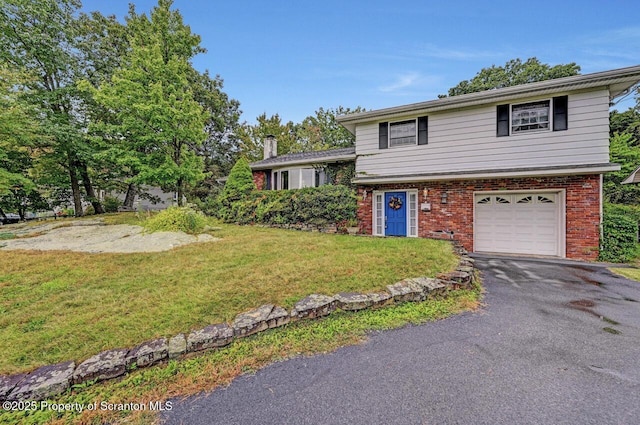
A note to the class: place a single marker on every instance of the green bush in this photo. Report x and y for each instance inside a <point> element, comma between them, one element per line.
<point>318,206</point>
<point>175,219</point>
<point>619,238</point>
<point>111,204</point>
<point>239,184</point>
<point>210,206</point>
<point>631,211</point>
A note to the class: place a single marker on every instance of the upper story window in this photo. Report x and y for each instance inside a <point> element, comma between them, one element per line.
<point>530,117</point>
<point>542,115</point>
<point>403,133</point>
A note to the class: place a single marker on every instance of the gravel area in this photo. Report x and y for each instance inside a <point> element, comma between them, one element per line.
<point>95,237</point>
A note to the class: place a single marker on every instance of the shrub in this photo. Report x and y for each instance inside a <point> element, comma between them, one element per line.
<point>111,204</point>
<point>239,184</point>
<point>319,206</point>
<point>619,238</point>
<point>631,211</point>
<point>175,219</point>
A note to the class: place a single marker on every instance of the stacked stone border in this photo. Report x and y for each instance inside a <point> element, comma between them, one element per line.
<point>52,380</point>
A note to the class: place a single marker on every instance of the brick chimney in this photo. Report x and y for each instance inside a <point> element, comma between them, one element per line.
<point>270,146</point>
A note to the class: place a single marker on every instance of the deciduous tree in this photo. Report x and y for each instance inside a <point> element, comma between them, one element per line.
<point>39,37</point>
<point>156,125</point>
<point>322,131</point>
<point>513,72</point>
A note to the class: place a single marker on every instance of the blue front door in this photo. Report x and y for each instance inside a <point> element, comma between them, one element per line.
<point>395,213</point>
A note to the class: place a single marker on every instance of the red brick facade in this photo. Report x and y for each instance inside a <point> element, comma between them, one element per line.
<point>259,179</point>
<point>582,197</point>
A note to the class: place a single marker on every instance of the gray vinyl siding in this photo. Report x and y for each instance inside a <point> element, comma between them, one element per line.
<point>465,140</point>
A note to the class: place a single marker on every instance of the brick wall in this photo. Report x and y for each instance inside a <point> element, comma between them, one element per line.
<point>582,208</point>
<point>259,179</point>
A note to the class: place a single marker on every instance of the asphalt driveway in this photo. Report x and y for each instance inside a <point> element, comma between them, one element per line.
<point>554,344</point>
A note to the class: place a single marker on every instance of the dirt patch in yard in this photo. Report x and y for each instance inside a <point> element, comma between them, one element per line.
<point>93,236</point>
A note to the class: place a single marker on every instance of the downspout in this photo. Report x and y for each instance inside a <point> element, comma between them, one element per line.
<point>601,227</point>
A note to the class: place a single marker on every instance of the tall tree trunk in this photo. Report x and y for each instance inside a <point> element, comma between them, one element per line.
<point>75,188</point>
<point>180,190</point>
<point>130,196</point>
<point>88,188</point>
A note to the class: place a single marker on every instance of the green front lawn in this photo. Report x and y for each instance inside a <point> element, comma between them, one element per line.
<point>631,273</point>
<point>57,306</point>
<point>216,368</point>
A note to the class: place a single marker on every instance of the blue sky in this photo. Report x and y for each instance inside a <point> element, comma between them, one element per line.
<point>292,57</point>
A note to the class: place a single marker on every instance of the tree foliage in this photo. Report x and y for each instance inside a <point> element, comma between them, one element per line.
<point>19,131</point>
<point>253,136</point>
<point>322,130</point>
<point>316,132</point>
<point>156,124</point>
<point>48,40</point>
<point>222,145</point>
<point>513,73</point>
<point>623,150</point>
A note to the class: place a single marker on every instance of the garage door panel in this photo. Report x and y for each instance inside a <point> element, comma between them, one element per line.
<point>519,223</point>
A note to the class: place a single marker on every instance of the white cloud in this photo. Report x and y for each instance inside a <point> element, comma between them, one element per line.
<point>401,82</point>
<point>410,83</point>
<point>433,51</point>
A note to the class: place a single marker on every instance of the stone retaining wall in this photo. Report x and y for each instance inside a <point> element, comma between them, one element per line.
<point>52,380</point>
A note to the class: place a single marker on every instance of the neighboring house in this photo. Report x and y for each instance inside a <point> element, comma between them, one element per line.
<point>633,177</point>
<point>296,170</point>
<point>152,198</point>
<point>515,170</point>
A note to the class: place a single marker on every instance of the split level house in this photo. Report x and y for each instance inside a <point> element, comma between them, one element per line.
<point>516,170</point>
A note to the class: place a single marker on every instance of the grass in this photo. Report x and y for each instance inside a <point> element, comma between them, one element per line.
<point>630,273</point>
<point>216,368</point>
<point>57,306</point>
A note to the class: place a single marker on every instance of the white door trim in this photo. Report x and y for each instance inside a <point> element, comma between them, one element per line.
<point>374,214</point>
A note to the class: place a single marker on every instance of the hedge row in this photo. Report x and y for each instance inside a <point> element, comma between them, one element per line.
<point>318,206</point>
<point>619,233</point>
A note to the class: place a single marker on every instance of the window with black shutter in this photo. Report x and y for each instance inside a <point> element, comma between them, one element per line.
<point>423,130</point>
<point>403,133</point>
<point>502,127</point>
<point>560,105</point>
<point>383,135</point>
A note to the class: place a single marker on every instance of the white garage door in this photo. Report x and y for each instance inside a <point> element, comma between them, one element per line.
<point>518,223</point>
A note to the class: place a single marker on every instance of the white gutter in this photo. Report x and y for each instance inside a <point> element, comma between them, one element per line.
<point>563,171</point>
<point>274,164</point>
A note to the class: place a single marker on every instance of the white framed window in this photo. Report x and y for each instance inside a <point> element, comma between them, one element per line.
<point>413,214</point>
<point>306,177</point>
<point>284,180</point>
<point>320,177</point>
<point>541,115</point>
<point>403,133</point>
<point>533,116</point>
<point>378,212</point>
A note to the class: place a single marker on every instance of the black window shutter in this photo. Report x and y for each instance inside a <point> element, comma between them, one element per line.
<point>423,130</point>
<point>383,135</point>
<point>502,127</point>
<point>560,105</point>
